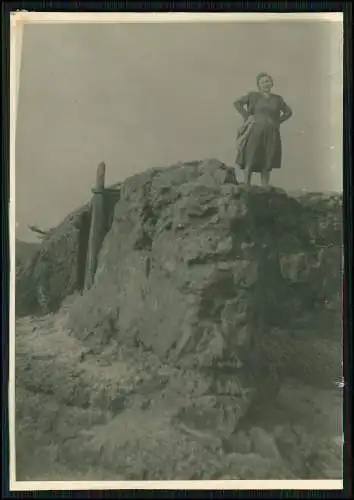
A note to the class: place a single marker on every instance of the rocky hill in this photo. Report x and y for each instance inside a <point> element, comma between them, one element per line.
<point>24,252</point>
<point>208,347</point>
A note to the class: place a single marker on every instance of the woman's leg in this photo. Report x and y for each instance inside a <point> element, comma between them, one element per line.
<point>265,177</point>
<point>248,175</point>
<point>239,174</point>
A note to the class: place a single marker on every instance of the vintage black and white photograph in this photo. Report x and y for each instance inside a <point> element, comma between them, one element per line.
<point>177,249</point>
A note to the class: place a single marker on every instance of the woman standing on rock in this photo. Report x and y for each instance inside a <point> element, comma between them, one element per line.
<point>258,140</point>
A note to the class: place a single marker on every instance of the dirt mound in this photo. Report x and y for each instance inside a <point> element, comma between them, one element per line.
<point>126,415</point>
<point>57,268</point>
<point>207,296</point>
<point>25,250</point>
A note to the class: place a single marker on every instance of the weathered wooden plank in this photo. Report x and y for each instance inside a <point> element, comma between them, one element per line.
<point>97,225</point>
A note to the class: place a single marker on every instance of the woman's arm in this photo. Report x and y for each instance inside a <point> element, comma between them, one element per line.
<point>285,111</point>
<point>240,104</point>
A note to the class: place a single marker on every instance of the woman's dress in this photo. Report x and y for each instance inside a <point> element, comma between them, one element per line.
<point>260,147</point>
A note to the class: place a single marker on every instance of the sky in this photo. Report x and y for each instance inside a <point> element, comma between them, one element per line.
<point>144,95</point>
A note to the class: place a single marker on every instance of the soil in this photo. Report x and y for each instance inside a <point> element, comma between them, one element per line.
<point>209,345</point>
<point>83,416</point>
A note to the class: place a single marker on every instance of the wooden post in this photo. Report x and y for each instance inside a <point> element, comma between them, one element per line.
<point>96,226</point>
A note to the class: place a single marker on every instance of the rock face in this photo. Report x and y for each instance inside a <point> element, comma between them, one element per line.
<point>53,271</point>
<point>233,288</point>
<point>209,274</point>
<point>25,250</point>
<point>57,268</point>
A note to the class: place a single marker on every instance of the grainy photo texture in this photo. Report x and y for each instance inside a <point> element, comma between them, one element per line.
<point>179,251</point>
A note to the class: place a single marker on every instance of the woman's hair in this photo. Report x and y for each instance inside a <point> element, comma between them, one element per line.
<point>262,75</point>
